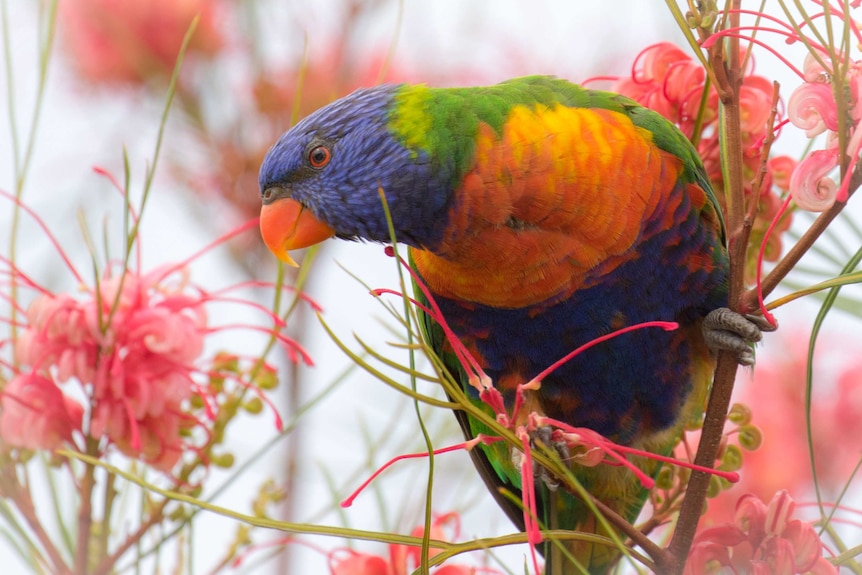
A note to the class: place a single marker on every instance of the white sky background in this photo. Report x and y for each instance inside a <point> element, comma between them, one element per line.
<point>81,128</point>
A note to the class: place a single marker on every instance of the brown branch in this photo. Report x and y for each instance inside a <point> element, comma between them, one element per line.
<point>656,553</point>
<point>728,73</point>
<point>707,450</point>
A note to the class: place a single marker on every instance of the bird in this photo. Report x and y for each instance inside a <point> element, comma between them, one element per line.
<point>540,215</point>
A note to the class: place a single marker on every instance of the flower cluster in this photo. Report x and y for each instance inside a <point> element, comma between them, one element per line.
<point>763,540</point>
<point>776,395</point>
<point>666,79</point>
<point>134,346</point>
<point>813,108</point>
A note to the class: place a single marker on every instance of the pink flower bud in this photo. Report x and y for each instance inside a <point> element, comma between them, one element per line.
<point>36,414</point>
<point>810,187</point>
<point>812,108</point>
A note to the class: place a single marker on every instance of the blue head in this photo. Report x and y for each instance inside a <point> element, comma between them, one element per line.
<point>333,164</point>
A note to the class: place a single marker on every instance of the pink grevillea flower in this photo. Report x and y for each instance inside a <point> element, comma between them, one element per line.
<point>133,344</point>
<point>354,563</point>
<point>132,348</point>
<point>404,559</point>
<point>36,414</point>
<point>666,79</point>
<point>761,540</point>
<point>810,184</point>
<point>812,108</point>
<point>114,41</point>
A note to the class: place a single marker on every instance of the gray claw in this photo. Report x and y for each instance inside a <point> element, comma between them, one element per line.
<point>543,435</point>
<point>759,321</point>
<point>724,329</point>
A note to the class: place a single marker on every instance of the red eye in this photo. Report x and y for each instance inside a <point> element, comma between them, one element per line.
<point>319,156</point>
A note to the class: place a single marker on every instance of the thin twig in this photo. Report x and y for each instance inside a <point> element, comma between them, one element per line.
<point>85,511</point>
<point>12,489</point>
<point>748,301</point>
<point>762,169</point>
<point>655,552</point>
<point>108,563</point>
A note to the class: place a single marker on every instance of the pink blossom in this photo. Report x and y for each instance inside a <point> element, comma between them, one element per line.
<point>812,108</point>
<point>36,414</point>
<point>810,185</point>
<point>762,539</point>
<point>404,559</point>
<point>359,564</point>
<point>755,102</point>
<point>781,168</point>
<point>114,41</point>
<point>667,80</point>
<point>134,349</point>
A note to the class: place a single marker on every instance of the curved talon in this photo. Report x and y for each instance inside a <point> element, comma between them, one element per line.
<point>724,329</point>
<point>543,435</point>
<point>760,321</point>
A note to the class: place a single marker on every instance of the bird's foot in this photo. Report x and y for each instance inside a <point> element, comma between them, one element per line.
<point>724,329</point>
<point>543,435</point>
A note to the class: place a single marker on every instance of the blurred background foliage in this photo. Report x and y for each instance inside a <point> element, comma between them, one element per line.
<point>252,68</point>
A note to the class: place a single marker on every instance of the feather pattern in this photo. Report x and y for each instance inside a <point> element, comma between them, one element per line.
<point>541,216</point>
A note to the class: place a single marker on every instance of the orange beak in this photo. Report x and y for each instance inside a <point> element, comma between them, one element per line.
<point>286,224</point>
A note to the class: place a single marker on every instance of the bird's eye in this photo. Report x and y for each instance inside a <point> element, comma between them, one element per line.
<point>319,156</point>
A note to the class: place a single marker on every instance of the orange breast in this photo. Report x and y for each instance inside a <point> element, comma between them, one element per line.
<point>558,199</point>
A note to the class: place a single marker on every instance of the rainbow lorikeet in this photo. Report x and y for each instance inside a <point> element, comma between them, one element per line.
<point>540,215</point>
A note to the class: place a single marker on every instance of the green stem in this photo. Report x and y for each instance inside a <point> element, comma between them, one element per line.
<point>19,494</point>
<point>107,564</point>
<point>21,166</point>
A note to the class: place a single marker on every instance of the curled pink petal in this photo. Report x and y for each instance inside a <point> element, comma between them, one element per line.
<point>806,544</point>
<point>779,511</point>
<point>812,108</point>
<point>656,59</point>
<point>36,414</point>
<point>705,556</point>
<point>781,554</point>
<point>810,187</point>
